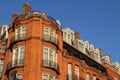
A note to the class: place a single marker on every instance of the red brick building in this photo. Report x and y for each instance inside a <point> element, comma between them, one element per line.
<point>38,49</point>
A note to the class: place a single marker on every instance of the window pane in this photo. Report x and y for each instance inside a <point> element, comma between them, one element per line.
<point>22,51</point>
<point>94,77</point>
<point>1,66</point>
<point>51,77</point>
<point>69,72</point>
<point>12,77</point>
<point>87,76</point>
<point>45,56</point>
<point>52,54</point>
<point>52,33</point>
<point>77,72</point>
<point>23,30</point>
<point>15,51</point>
<point>45,76</point>
<point>17,32</point>
<point>46,30</point>
<point>52,57</point>
<point>21,54</point>
<point>19,76</point>
<point>46,51</point>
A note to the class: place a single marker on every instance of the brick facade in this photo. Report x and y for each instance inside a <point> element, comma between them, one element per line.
<point>27,46</point>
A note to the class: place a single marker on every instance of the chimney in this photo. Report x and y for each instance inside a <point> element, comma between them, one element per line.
<point>14,16</point>
<point>77,35</point>
<point>0,30</point>
<point>26,8</point>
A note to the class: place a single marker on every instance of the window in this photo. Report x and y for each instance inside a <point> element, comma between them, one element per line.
<point>94,77</point>
<point>3,48</point>
<point>76,73</point>
<point>1,61</point>
<point>64,35</point>
<point>47,76</point>
<point>69,72</point>
<point>16,76</point>
<point>80,46</point>
<point>23,29</point>
<point>49,57</point>
<point>18,55</point>
<point>49,31</point>
<point>87,76</point>
<point>1,66</point>
<point>69,40</point>
<point>22,50</point>
<point>50,34</point>
<point>20,32</point>
<point>46,30</point>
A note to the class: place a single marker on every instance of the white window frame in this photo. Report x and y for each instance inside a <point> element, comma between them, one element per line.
<point>87,76</point>
<point>50,53</point>
<point>16,55</point>
<point>77,73</point>
<point>48,76</point>
<point>69,71</point>
<point>94,77</point>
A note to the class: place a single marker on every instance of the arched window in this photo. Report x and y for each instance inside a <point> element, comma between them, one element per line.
<point>76,72</point>
<point>87,76</point>
<point>94,77</point>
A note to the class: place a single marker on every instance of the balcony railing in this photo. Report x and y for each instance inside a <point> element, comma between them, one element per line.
<point>73,77</point>
<point>15,63</point>
<point>51,39</point>
<point>18,38</point>
<point>51,64</point>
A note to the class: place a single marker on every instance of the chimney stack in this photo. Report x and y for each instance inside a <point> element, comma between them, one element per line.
<point>26,8</point>
<point>14,16</point>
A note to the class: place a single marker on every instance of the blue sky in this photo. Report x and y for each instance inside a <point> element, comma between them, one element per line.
<point>98,21</point>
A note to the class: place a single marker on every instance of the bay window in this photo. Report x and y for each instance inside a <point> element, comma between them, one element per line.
<point>49,57</point>
<point>16,76</point>
<point>50,34</point>
<point>20,32</point>
<point>48,76</point>
<point>18,55</point>
<point>49,31</point>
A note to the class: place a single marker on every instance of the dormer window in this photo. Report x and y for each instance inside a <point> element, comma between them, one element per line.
<point>97,55</point>
<point>80,45</point>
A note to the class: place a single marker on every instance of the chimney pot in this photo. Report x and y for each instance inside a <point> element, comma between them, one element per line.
<point>26,8</point>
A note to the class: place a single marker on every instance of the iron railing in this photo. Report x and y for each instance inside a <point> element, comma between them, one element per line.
<point>73,77</point>
<point>18,38</point>
<point>35,13</point>
<point>15,63</point>
<point>50,39</point>
<point>50,64</point>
